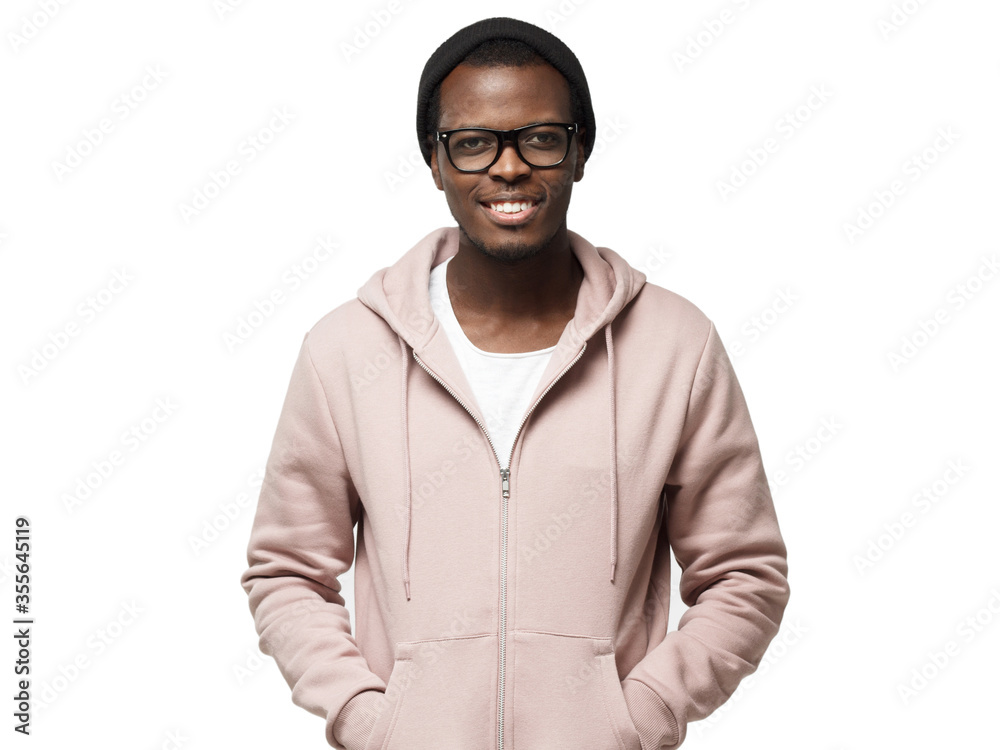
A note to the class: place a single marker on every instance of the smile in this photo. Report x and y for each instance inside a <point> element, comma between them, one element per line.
<point>509,213</point>
<point>512,208</point>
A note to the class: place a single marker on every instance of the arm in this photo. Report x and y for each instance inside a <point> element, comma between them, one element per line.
<point>721,524</point>
<point>302,540</point>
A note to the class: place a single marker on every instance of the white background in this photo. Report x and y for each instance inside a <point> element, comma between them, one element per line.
<point>867,608</point>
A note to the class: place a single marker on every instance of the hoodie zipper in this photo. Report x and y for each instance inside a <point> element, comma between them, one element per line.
<point>505,491</point>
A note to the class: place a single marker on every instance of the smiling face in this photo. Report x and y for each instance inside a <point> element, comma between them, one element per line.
<point>504,98</point>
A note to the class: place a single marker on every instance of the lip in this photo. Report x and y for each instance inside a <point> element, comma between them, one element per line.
<point>507,220</point>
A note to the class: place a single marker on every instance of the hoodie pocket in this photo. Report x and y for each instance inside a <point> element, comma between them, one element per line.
<point>565,692</point>
<point>440,694</point>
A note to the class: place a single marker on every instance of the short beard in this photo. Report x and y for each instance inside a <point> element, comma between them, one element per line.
<point>508,253</point>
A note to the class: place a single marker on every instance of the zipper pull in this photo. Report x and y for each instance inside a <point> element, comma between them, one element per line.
<point>504,474</point>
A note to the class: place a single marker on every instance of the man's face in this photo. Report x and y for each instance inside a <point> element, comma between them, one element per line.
<point>504,98</point>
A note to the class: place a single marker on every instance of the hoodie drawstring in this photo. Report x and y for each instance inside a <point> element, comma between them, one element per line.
<point>406,468</point>
<point>612,441</point>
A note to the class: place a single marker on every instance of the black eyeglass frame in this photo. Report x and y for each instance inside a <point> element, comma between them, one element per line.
<point>505,136</point>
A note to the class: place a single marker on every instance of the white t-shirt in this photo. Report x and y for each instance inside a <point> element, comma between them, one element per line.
<point>502,383</point>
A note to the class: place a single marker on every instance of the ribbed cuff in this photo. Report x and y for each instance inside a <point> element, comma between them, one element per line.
<point>356,721</point>
<point>653,720</point>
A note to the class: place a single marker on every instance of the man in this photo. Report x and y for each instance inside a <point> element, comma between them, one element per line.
<point>522,428</point>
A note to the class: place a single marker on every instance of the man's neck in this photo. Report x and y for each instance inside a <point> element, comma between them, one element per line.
<point>518,306</point>
<point>538,287</point>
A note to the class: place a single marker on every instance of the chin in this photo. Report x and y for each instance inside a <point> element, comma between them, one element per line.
<point>511,250</point>
<point>508,252</point>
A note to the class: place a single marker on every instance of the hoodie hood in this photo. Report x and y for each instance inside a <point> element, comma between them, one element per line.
<point>399,295</point>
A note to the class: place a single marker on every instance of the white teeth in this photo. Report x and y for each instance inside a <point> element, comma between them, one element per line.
<point>512,208</point>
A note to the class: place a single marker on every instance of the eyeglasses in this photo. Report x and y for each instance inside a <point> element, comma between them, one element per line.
<point>478,149</point>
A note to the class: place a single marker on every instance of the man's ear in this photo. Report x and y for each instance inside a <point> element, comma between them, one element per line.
<point>435,171</point>
<point>580,159</point>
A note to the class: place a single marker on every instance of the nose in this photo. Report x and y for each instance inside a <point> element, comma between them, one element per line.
<point>509,166</point>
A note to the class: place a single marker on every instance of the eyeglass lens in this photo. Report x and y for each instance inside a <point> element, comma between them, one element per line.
<point>541,146</point>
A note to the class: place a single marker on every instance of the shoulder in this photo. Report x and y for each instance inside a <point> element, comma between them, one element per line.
<point>669,317</point>
<point>348,331</point>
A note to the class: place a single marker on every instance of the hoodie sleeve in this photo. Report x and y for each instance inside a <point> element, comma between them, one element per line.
<point>301,541</point>
<point>721,524</point>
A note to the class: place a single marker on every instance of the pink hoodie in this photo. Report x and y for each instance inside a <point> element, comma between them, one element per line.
<point>523,610</point>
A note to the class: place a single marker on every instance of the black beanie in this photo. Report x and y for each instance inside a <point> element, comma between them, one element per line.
<point>461,43</point>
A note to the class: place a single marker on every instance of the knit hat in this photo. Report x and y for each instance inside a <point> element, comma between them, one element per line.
<point>461,43</point>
